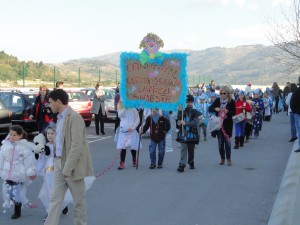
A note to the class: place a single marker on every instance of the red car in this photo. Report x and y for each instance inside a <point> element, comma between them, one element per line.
<point>80,102</point>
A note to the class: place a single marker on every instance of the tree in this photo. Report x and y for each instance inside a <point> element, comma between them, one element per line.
<point>286,35</point>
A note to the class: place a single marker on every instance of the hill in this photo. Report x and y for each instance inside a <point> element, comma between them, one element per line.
<point>239,65</point>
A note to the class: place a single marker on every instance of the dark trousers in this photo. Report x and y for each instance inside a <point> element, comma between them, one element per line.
<point>99,118</point>
<point>224,146</point>
<point>117,122</point>
<point>276,104</point>
<point>123,154</point>
<point>248,129</point>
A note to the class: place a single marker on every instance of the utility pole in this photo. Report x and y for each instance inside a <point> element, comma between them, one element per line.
<point>54,77</point>
<point>79,77</point>
<point>99,75</point>
<point>116,77</point>
<point>23,75</point>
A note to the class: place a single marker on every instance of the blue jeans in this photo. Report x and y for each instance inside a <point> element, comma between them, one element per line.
<point>240,128</point>
<point>161,151</point>
<point>293,125</point>
<point>297,123</point>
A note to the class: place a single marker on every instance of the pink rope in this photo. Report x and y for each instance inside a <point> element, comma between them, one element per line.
<point>109,167</point>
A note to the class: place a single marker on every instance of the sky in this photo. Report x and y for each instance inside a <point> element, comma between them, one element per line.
<point>55,31</point>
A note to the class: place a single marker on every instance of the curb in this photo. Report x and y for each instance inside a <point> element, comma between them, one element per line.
<point>287,204</point>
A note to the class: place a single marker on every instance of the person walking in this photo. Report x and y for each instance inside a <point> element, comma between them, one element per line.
<point>98,108</point>
<point>17,168</point>
<point>41,110</point>
<point>291,114</point>
<point>241,106</point>
<point>224,107</point>
<point>201,106</point>
<point>295,108</point>
<point>249,121</point>
<point>159,127</point>
<point>258,106</point>
<point>72,160</point>
<point>188,134</point>
<point>276,92</point>
<point>128,137</point>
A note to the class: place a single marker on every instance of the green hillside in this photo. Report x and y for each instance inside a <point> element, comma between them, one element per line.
<point>237,65</point>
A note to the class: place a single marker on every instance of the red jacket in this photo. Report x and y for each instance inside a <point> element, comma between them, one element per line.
<point>240,106</point>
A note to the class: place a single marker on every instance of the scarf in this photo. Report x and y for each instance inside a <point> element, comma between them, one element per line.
<point>223,103</point>
<point>155,117</point>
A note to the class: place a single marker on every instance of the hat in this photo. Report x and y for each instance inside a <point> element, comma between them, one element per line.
<point>256,91</point>
<point>190,98</point>
<point>241,92</point>
<point>213,94</point>
<point>202,97</point>
<point>249,84</point>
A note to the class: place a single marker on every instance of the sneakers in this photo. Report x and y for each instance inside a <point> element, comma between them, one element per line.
<point>192,166</point>
<point>152,166</point>
<point>293,139</point>
<point>65,210</point>
<point>121,167</point>
<point>159,166</point>
<point>298,150</point>
<point>45,217</point>
<point>229,162</point>
<point>180,169</point>
<point>134,162</point>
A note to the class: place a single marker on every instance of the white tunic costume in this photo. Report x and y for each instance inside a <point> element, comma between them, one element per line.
<point>128,139</point>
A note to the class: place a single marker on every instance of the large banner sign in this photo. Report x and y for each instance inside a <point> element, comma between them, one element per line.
<point>155,80</point>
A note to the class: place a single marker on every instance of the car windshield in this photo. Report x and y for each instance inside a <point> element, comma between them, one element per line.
<point>30,97</point>
<point>77,96</point>
<point>109,94</point>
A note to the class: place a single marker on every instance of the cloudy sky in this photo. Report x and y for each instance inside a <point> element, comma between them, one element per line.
<point>58,30</point>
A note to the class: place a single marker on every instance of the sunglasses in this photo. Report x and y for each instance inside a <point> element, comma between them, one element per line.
<point>223,93</point>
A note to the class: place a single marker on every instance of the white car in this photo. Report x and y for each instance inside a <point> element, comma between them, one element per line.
<point>110,111</point>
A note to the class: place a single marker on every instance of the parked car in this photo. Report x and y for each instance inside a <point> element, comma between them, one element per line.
<point>20,104</point>
<point>5,119</point>
<point>80,102</point>
<point>110,111</point>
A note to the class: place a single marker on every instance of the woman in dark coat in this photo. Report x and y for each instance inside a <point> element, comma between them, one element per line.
<point>41,110</point>
<point>225,108</point>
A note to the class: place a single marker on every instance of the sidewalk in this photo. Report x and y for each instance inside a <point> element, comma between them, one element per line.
<point>287,205</point>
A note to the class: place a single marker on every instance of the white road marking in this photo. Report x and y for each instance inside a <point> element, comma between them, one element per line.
<point>99,139</point>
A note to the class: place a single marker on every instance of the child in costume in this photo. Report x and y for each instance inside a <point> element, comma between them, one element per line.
<point>127,137</point>
<point>201,106</point>
<point>188,135</point>
<point>17,168</point>
<point>258,106</point>
<point>268,104</point>
<point>159,127</point>
<point>45,167</point>
<point>241,106</point>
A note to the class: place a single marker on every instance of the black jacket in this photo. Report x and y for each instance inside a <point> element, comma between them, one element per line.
<point>190,133</point>
<point>157,130</point>
<point>227,123</point>
<point>295,101</point>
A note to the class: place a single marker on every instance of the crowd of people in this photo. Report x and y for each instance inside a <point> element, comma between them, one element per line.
<point>241,114</point>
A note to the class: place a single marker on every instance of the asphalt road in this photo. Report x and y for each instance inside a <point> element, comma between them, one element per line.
<point>242,194</point>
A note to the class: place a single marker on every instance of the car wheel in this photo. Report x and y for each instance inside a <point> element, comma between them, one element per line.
<point>87,123</point>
